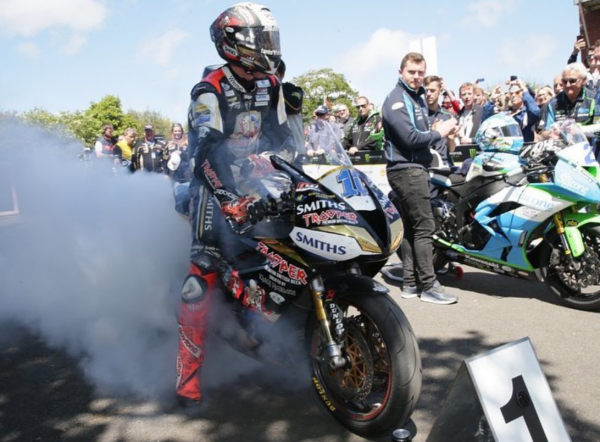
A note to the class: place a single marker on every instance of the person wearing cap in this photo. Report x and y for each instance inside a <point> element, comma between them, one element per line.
<point>366,131</point>
<point>322,135</point>
<point>149,153</point>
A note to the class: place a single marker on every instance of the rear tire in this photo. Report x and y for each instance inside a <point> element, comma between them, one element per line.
<point>378,389</point>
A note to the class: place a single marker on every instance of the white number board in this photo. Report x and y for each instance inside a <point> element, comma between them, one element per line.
<point>515,395</point>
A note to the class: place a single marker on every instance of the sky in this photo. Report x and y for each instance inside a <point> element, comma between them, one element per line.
<point>63,55</point>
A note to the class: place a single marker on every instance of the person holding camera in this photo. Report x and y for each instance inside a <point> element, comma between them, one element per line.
<point>523,108</point>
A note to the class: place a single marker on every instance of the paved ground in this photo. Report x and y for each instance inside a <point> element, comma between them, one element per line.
<point>43,396</point>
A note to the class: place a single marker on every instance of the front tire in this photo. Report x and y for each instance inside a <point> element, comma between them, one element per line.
<point>379,387</point>
<point>577,283</point>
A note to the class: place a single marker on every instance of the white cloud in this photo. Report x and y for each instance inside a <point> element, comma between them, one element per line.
<point>487,13</point>
<point>30,50</point>
<point>74,44</point>
<point>545,50</point>
<point>384,48</point>
<point>159,50</point>
<point>26,18</point>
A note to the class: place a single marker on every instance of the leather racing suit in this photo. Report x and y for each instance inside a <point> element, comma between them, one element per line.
<point>229,119</point>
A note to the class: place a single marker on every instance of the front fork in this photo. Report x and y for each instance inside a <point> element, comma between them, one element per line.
<point>560,227</point>
<point>333,353</point>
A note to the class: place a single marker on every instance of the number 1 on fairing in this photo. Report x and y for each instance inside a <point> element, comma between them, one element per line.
<point>353,186</point>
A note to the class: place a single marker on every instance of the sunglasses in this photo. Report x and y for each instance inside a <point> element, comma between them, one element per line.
<point>359,106</point>
<point>570,80</point>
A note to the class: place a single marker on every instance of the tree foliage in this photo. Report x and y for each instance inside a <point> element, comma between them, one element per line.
<point>86,125</point>
<point>325,84</point>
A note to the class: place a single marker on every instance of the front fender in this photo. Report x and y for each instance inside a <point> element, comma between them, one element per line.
<point>351,283</point>
<point>574,222</point>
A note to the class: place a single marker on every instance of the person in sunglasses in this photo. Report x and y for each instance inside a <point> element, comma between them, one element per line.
<point>366,132</point>
<point>574,102</point>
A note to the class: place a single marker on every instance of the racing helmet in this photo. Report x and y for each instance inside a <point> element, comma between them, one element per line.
<point>247,35</point>
<point>501,133</point>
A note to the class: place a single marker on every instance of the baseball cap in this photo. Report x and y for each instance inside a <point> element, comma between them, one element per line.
<point>322,110</point>
<point>148,127</point>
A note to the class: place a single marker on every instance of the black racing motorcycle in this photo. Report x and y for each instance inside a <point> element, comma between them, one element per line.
<point>307,273</point>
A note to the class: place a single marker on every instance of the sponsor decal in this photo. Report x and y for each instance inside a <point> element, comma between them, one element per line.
<point>322,394</point>
<point>230,51</point>
<point>567,181</point>
<point>211,175</point>
<point>272,282</point>
<point>296,274</point>
<point>397,105</point>
<point>209,214</point>
<point>262,90</point>
<point>319,205</point>
<point>202,119</point>
<point>482,262</point>
<point>391,212</point>
<point>572,223</point>
<point>337,318</point>
<point>537,203</point>
<point>277,298</point>
<point>222,192</point>
<point>231,79</point>
<point>262,83</point>
<point>320,245</point>
<point>303,187</point>
<point>328,217</point>
<point>188,344</point>
<point>261,103</point>
<point>262,97</point>
<point>229,93</point>
<point>202,109</point>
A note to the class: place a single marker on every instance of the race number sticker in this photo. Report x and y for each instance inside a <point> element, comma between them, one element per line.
<point>515,395</point>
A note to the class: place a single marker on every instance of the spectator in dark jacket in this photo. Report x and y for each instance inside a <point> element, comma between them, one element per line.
<point>366,132</point>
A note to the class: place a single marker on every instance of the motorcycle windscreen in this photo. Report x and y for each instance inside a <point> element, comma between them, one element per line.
<point>581,154</point>
<point>576,180</point>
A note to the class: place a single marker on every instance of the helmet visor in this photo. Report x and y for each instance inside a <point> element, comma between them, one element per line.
<point>268,42</point>
<point>511,130</point>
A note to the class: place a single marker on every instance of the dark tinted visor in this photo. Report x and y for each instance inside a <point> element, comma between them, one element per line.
<point>512,130</point>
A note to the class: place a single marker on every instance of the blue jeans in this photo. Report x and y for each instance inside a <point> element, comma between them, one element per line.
<point>411,186</point>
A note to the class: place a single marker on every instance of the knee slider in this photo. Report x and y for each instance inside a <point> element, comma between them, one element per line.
<point>193,289</point>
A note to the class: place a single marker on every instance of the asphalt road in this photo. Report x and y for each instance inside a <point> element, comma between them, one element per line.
<point>44,397</point>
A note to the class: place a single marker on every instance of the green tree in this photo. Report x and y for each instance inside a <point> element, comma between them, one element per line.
<point>107,110</point>
<point>162,124</point>
<point>324,83</point>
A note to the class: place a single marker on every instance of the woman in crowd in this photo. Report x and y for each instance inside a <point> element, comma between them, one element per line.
<point>177,154</point>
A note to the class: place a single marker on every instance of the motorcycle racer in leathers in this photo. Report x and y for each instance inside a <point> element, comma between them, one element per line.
<point>236,113</point>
